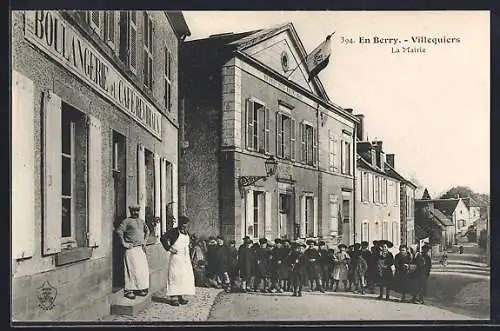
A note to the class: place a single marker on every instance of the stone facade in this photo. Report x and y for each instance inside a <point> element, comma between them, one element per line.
<point>217,91</point>
<point>84,282</point>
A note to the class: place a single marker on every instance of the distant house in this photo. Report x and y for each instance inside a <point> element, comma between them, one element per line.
<point>474,210</point>
<point>431,223</point>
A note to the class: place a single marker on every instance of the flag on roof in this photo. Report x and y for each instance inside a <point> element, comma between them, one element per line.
<point>318,59</point>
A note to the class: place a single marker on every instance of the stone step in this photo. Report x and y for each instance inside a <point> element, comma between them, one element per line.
<point>121,305</point>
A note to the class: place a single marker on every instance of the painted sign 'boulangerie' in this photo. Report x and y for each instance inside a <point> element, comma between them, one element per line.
<point>52,34</point>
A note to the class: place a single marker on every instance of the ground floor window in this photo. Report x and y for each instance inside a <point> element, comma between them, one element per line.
<point>365,231</point>
<point>309,224</point>
<point>255,228</point>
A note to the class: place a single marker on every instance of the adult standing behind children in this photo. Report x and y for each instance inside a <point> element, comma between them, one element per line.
<point>421,275</point>
<point>246,263</point>
<point>384,267</point>
<point>341,267</point>
<point>180,277</point>
<point>133,233</point>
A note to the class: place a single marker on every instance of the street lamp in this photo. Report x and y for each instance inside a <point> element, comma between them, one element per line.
<point>270,165</point>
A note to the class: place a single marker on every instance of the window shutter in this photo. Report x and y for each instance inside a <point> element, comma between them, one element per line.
<point>95,178</point>
<point>303,216</point>
<point>157,191</point>
<point>268,226</point>
<point>341,217</point>
<point>23,167</point>
<point>315,217</point>
<point>315,147</point>
<point>175,193</point>
<point>351,158</point>
<point>164,202</point>
<point>95,18</point>
<point>292,139</point>
<point>330,150</point>
<point>303,155</point>
<point>109,22</point>
<point>250,128</point>
<point>141,181</point>
<point>267,129</point>
<point>279,135</point>
<point>133,42</point>
<point>53,175</point>
<point>335,153</point>
<point>249,213</point>
<point>124,36</point>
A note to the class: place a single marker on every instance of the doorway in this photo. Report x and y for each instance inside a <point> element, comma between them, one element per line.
<point>285,216</point>
<point>119,206</point>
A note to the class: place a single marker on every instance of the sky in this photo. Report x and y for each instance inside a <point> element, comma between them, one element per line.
<point>432,109</point>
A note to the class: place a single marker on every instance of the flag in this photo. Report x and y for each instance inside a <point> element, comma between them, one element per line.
<point>319,58</point>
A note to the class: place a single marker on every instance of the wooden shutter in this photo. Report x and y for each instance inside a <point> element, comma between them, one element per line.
<point>23,167</point>
<point>250,128</point>
<point>249,213</point>
<point>95,18</point>
<point>141,180</point>
<point>164,202</point>
<point>303,216</point>
<point>267,130</point>
<point>110,26</point>
<point>315,147</point>
<point>340,223</point>
<point>52,174</point>
<point>292,139</point>
<point>268,225</point>
<point>279,135</point>
<point>315,217</point>
<point>335,153</point>
<point>350,155</point>
<point>95,178</point>
<point>124,36</point>
<point>175,194</point>
<point>157,202</point>
<point>330,151</point>
<point>303,155</point>
<point>133,41</point>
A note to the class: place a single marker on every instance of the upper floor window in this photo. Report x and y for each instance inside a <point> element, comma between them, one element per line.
<point>168,79</point>
<point>376,189</point>
<point>110,28</point>
<point>365,186</point>
<point>384,190</point>
<point>308,144</point>
<point>346,156</point>
<point>128,39</point>
<point>257,124</point>
<point>332,151</point>
<point>148,51</point>
<point>285,136</point>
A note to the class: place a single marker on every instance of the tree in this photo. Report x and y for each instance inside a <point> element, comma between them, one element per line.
<point>483,200</point>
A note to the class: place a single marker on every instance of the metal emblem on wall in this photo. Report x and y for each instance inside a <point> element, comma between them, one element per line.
<point>46,295</point>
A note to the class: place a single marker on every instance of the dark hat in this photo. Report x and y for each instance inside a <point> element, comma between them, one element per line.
<point>262,241</point>
<point>403,246</point>
<point>376,242</point>
<point>220,237</point>
<point>365,244</point>
<point>134,207</point>
<point>183,219</point>
<point>278,241</point>
<point>357,246</point>
<point>426,248</point>
<point>322,243</point>
<point>246,238</point>
<point>309,241</point>
<point>342,245</point>
<point>232,241</point>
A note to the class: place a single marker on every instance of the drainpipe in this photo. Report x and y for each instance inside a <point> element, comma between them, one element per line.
<point>354,148</point>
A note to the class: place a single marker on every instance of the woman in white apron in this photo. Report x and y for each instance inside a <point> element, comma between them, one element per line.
<point>180,276</point>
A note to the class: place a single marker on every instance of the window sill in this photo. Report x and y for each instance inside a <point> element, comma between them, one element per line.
<point>73,255</point>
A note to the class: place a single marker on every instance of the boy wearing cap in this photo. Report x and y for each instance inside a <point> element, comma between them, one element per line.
<point>297,261</point>
<point>313,266</point>
<point>280,272</point>
<point>324,262</point>
<point>133,233</point>
<point>262,261</point>
<point>287,246</point>
<point>246,262</point>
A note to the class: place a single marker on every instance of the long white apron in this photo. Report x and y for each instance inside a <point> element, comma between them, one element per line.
<point>136,269</point>
<point>180,277</point>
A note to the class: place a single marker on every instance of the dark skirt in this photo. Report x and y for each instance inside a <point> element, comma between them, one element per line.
<point>281,271</point>
<point>262,270</point>
<point>386,278</point>
<point>313,271</point>
<point>402,282</point>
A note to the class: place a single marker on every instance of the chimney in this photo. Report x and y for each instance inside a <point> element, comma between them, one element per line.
<point>377,146</point>
<point>360,126</point>
<point>390,159</point>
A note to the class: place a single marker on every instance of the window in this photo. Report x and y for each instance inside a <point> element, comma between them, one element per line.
<point>148,51</point>
<point>182,199</point>
<point>74,181</point>
<point>384,190</point>
<point>309,226</point>
<point>109,28</point>
<point>285,136</point>
<point>346,213</point>
<point>395,233</point>
<point>256,228</point>
<point>376,231</point>
<point>396,193</point>
<point>365,231</point>
<point>376,191</point>
<point>332,151</point>
<point>308,144</point>
<point>150,187</point>
<point>94,20</point>
<point>365,186</point>
<point>346,157</point>
<point>385,231</point>
<point>168,80</point>
<point>334,215</point>
<point>257,127</point>
<point>128,39</point>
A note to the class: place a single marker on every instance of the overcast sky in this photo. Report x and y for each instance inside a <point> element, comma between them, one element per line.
<point>430,109</point>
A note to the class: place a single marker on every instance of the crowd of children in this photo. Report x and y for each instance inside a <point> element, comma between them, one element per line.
<point>284,266</point>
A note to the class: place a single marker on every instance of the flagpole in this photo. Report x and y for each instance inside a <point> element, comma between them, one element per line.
<point>305,58</point>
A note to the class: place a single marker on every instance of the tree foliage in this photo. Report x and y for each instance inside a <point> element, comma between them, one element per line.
<point>483,200</point>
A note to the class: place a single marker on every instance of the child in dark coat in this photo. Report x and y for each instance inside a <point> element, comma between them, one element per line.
<point>287,246</point>
<point>297,262</point>
<point>246,262</point>
<point>313,266</point>
<point>232,262</point>
<point>280,267</point>
<point>262,265</point>
<point>325,264</point>
<point>222,263</point>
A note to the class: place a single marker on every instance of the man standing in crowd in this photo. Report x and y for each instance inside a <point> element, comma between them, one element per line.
<point>421,274</point>
<point>180,277</point>
<point>133,233</point>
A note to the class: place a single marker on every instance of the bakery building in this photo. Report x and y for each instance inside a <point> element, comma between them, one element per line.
<point>264,151</point>
<point>94,130</point>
